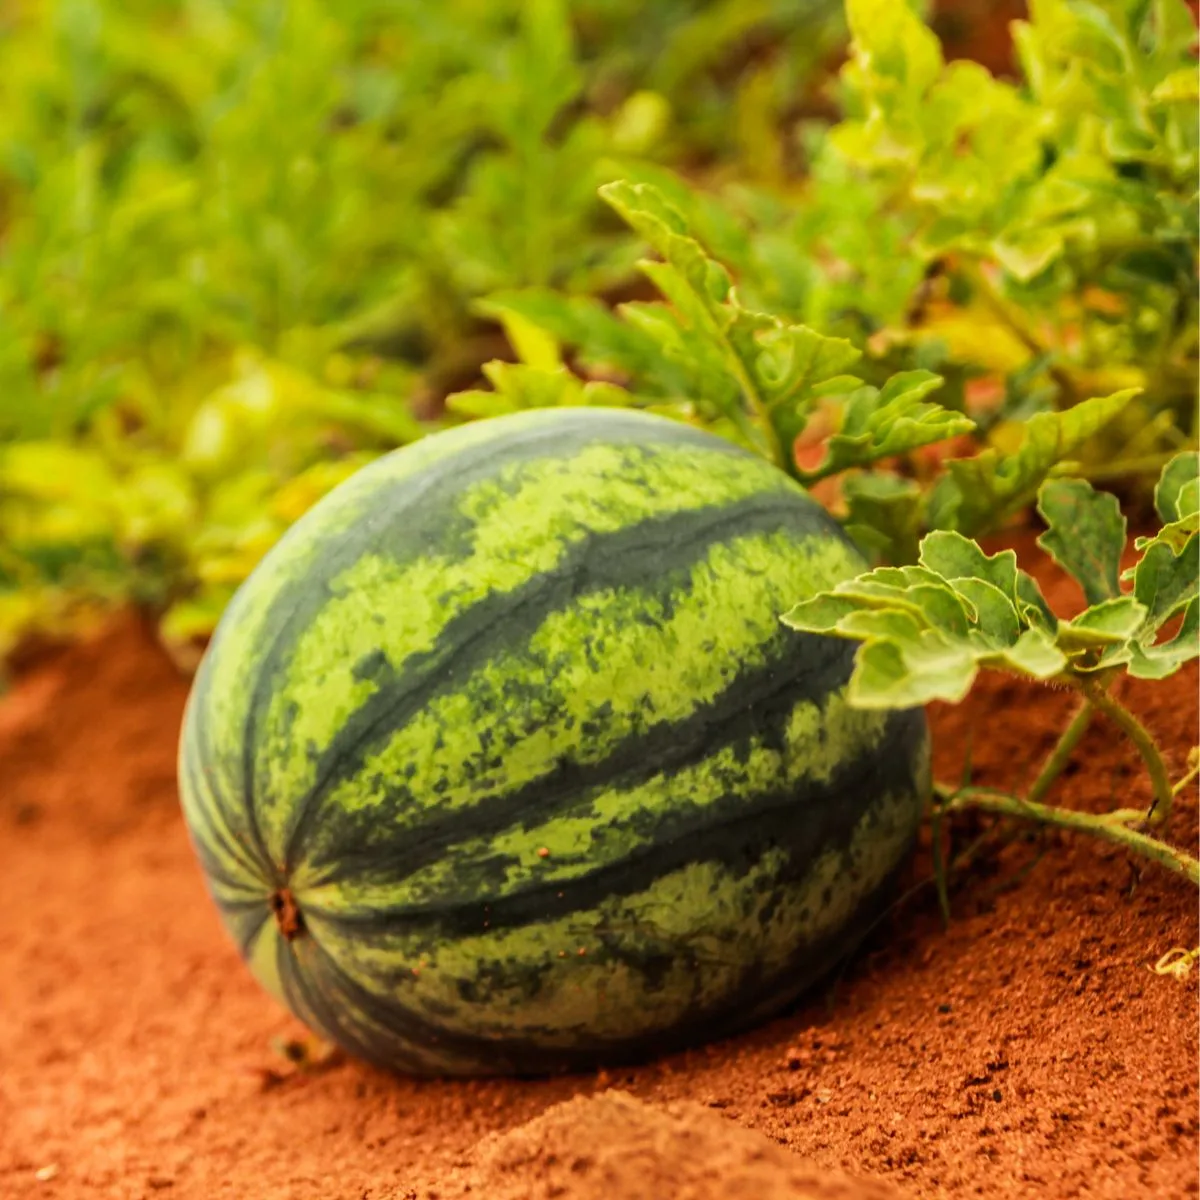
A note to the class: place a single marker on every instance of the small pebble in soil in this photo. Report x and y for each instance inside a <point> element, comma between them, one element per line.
<point>796,1057</point>
<point>46,1173</point>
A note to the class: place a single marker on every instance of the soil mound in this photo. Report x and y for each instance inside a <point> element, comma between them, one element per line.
<point>613,1145</point>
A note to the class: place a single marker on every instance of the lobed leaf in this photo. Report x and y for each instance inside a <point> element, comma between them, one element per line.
<point>1085,535</point>
<point>927,630</point>
<point>1157,660</point>
<point>1166,579</point>
<point>978,493</point>
<point>1177,494</point>
<point>883,422</point>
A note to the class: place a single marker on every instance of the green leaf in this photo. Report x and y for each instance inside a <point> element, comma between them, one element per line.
<point>1177,494</point>
<point>978,493</point>
<point>1085,535</point>
<point>520,386</point>
<point>953,556</point>
<point>1033,654</point>
<point>700,291</point>
<point>996,621</point>
<point>1109,623</point>
<point>892,42</point>
<point>1180,87</point>
<point>883,514</point>
<point>925,634</point>
<point>1165,577</point>
<point>645,209</point>
<point>793,363</point>
<point>880,422</point>
<point>763,374</point>
<point>1028,253</point>
<point>534,346</point>
<point>906,672</point>
<point>1164,580</point>
<point>1158,660</point>
<point>602,341</point>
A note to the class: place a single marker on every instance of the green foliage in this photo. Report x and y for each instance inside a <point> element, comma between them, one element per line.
<point>969,151</point>
<point>1061,214</point>
<point>239,242</point>
<point>884,422</point>
<point>926,630</point>
<point>761,380</point>
<point>1034,244</point>
<point>518,386</point>
<point>977,492</point>
<point>706,357</point>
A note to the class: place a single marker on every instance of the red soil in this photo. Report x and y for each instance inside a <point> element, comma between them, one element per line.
<point>1028,1050</point>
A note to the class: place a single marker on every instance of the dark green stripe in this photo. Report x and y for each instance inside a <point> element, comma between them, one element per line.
<point>209,797</point>
<point>756,703</point>
<point>199,754</point>
<point>804,819</point>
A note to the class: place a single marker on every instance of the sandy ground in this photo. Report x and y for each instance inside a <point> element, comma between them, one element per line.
<point>1027,1050</point>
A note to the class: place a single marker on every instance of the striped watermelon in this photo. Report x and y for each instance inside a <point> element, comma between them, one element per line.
<point>502,760</point>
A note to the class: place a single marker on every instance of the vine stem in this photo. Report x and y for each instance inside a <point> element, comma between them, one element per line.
<point>761,427</point>
<point>1061,754</point>
<point>1160,809</point>
<point>940,880</point>
<point>1188,778</point>
<point>1114,827</point>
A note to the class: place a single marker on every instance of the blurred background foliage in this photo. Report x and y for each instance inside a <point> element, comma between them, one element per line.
<point>246,245</point>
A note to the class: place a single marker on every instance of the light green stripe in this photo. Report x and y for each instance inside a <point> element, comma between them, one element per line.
<point>521,523</point>
<point>613,665</point>
<point>263,961</point>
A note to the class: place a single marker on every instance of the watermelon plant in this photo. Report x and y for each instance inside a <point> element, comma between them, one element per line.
<point>762,381</point>
<point>926,630</point>
<point>502,760</point>
<point>1033,243</point>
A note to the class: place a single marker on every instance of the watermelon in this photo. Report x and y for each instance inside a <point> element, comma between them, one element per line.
<point>502,760</point>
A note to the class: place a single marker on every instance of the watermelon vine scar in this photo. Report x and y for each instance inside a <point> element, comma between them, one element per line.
<point>287,914</point>
<point>502,760</point>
